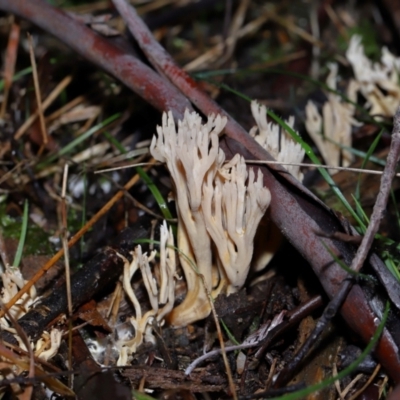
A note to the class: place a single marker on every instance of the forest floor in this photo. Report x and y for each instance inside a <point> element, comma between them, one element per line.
<point>78,187</point>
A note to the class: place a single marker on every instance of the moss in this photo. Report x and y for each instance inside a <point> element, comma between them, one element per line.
<point>36,243</point>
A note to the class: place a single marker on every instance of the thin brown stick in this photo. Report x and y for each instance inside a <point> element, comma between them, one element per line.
<point>37,91</point>
<point>9,63</point>
<point>64,223</point>
<point>73,241</point>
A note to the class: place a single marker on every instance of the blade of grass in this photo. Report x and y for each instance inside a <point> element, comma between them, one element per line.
<point>70,146</point>
<point>17,76</point>
<point>141,396</point>
<point>396,208</point>
<point>390,264</point>
<point>359,153</point>
<point>367,157</point>
<point>344,266</point>
<point>228,332</point>
<point>22,237</point>
<point>360,211</point>
<point>162,204</point>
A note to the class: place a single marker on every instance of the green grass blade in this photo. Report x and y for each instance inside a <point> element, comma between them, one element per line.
<point>310,153</point>
<point>343,265</point>
<point>17,75</point>
<point>361,213</point>
<point>364,163</point>
<point>70,146</point>
<point>390,264</point>
<point>141,396</point>
<point>228,332</point>
<point>162,204</point>
<point>362,154</point>
<point>22,237</point>
<point>396,208</point>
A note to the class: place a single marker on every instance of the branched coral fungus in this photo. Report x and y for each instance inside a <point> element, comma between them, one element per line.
<point>276,141</point>
<point>161,291</point>
<point>192,156</point>
<point>377,82</point>
<point>219,206</point>
<point>332,130</point>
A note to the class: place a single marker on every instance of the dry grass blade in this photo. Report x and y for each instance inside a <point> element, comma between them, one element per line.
<point>40,109</point>
<point>67,266</point>
<point>71,104</point>
<point>234,29</point>
<point>366,384</point>
<point>222,343</point>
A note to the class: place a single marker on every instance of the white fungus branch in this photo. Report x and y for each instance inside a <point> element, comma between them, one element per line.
<point>160,292</point>
<point>378,82</point>
<point>332,130</point>
<point>277,141</point>
<point>47,346</point>
<point>12,282</point>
